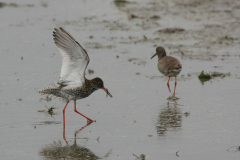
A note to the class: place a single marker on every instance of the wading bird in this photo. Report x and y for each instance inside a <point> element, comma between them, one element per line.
<point>167,65</point>
<point>72,84</point>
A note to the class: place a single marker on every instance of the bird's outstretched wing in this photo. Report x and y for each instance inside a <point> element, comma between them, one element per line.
<point>75,59</point>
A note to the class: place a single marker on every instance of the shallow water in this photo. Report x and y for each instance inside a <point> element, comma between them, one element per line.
<point>202,124</point>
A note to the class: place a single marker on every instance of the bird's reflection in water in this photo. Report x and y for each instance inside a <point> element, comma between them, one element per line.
<point>75,135</point>
<point>57,150</point>
<point>169,119</point>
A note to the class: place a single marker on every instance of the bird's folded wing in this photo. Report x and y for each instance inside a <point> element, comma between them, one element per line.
<point>172,63</point>
<point>174,67</point>
<point>75,59</point>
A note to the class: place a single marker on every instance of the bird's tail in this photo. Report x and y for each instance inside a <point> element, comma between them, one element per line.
<point>50,90</point>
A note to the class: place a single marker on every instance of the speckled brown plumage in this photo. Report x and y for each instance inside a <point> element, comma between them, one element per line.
<point>167,65</point>
<point>75,93</point>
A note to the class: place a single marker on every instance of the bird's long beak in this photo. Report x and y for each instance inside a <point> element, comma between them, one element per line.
<point>107,91</point>
<point>154,55</point>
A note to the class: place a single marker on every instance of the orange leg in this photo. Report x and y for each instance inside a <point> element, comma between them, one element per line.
<point>64,135</point>
<point>75,109</point>
<point>175,86</point>
<point>64,114</point>
<point>168,82</point>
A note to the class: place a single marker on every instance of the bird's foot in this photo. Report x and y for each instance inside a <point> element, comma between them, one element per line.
<point>90,121</point>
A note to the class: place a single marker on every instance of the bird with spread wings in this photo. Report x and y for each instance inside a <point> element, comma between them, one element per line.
<point>72,84</point>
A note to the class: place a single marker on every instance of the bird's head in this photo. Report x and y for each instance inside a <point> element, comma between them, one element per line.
<point>98,84</point>
<point>160,51</point>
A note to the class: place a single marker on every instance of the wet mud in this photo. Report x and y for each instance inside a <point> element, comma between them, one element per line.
<point>142,120</point>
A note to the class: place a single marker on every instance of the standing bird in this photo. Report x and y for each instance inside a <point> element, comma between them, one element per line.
<point>167,65</point>
<point>72,84</point>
